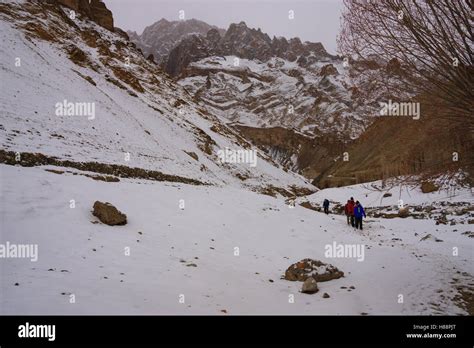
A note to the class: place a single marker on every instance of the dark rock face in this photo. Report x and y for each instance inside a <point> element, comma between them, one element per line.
<point>161,37</point>
<point>84,6</point>
<point>243,42</point>
<point>191,49</point>
<point>73,4</point>
<point>213,38</point>
<point>94,9</point>
<point>108,214</point>
<point>101,14</point>
<point>150,58</point>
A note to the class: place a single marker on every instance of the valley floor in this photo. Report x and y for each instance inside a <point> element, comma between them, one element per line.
<point>192,252</point>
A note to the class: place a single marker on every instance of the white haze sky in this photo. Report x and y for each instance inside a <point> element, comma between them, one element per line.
<point>314,20</point>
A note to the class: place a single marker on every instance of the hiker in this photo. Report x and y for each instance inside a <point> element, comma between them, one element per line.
<point>349,210</point>
<point>358,213</point>
<point>326,206</point>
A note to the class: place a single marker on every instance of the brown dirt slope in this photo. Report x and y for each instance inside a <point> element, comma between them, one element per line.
<point>394,146</point>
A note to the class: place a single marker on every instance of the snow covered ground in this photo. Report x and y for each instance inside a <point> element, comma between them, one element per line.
<point>88,260</point>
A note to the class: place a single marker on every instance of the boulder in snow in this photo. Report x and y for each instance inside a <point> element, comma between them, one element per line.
<point>403,212</point>
<point>309,268</point>
<point>108,214</point>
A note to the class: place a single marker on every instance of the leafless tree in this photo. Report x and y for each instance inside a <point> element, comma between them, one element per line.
<point>432,39</point>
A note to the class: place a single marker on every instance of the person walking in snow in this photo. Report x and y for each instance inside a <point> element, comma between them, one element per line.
<point>349,210</point>
<point>326,206</point>
<point>358,214</point>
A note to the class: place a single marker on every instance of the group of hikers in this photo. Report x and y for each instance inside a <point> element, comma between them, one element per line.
<point>354,212</point>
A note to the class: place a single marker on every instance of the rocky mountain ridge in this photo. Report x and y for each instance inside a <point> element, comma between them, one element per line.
<point>158,39</point>
<point>241,41</point>
<point>96,10</point>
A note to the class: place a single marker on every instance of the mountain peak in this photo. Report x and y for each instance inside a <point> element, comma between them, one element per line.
<point>162,36</point>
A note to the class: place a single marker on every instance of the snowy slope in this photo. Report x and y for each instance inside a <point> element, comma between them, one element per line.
<point>141,113</point>
<point>278,93</point>
<point>371,194</point>
<point>326,96</point>
<point>88,260</point>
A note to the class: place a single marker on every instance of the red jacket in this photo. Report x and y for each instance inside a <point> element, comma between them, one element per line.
<point>349,208</point>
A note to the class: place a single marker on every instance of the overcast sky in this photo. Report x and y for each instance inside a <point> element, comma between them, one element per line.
<point>314,20</point>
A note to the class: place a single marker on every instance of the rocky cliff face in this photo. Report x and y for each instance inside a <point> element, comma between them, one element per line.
<point>161,37</point>
<point>94,9</point>
<point>243,42</point>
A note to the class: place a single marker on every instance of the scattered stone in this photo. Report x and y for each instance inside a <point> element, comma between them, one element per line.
<point>428,186</point>
<point>191,265</point>
<point>426,237</point>
<point>430,236</point>
<point>108,214</point>
<point>388,194</point>
<point>310,286</point>
<point>403,212</point>
<point>193,155</point>
<point>326,295</point>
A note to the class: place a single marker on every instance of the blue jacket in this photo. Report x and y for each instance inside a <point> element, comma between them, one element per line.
<point>359,211</point>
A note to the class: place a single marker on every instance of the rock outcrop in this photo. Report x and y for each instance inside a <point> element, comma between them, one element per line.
<point>94,9</point>
<point>101,14</point>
